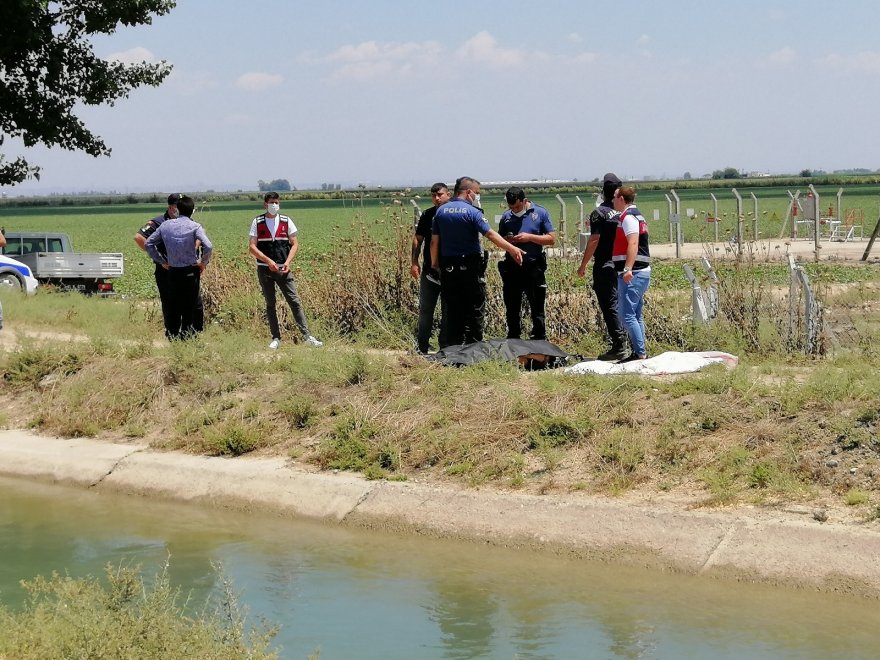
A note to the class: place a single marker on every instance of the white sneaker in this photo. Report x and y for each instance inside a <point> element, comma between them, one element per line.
<point>275,343</point>
<point>311,341</point>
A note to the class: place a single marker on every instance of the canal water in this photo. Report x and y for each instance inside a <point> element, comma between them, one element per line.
<point>356,594</point>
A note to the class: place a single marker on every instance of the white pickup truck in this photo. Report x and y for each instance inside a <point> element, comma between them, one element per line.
<point>52,260</point>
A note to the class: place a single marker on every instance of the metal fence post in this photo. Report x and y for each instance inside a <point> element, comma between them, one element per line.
<point>583,231</point>
<point>416,213</point>
<point>816,245</point>
<point>715,214</point>
<point>812,314</point>
<point>790,215</point>
<point>739,220</point>
<point>755,219</point>
<point>792,298</point>
<point>697,302</point>
<point>840,215</point>
<point>712,292</point>
<point>871,240</point>
<point>677,224</point>
<point>563,225</point>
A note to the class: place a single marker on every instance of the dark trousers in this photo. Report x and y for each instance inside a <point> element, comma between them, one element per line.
<point>162,279</point>
<point>464,292</point>
<point>182,295</point>
<point>605,286</point>
<point>429,293</point>
<point>518,281</point>
<point>284,281</point>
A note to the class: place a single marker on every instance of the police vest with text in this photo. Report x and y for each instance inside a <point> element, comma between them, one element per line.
<point>275,247</point>
<point>618,253</point>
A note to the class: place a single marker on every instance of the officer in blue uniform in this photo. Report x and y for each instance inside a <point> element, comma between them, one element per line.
<point>528,226</point>
<point>456,249</point>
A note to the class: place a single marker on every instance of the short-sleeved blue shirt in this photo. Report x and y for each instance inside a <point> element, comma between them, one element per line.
<point>459,226</point>
<point>535,221</point>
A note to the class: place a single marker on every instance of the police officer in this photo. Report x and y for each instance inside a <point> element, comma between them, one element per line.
<point>455,247</point>
<point>603,230</point>
<point>429,287</point>
<point>527,225</point>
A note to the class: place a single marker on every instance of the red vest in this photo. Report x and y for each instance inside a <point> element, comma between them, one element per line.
<point>275,247</point>
<point>280,229</point>
<point>618,252</point>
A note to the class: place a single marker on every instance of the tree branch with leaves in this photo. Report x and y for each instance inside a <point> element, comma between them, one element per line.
<point>47,66</point>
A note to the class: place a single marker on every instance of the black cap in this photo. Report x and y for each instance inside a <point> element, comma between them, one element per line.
<point>611,178</point>
<point>173,198</point>
<point>610,183</point>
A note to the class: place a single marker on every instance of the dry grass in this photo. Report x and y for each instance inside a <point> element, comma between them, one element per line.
<point>781,426</point>
<point>719,436</point>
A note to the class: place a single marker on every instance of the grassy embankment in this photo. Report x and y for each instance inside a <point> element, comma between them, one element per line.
<point>778,428</point>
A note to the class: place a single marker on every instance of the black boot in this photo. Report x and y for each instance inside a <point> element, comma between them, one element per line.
<point>614,354</point>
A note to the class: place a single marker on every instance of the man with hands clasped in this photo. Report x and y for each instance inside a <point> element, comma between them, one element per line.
<point>274,244</point>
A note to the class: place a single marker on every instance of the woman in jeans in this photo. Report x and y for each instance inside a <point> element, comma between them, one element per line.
<point>632,260</point>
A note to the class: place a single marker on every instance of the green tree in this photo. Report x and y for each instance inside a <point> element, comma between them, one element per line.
<point>806,173</point>
<point>727,173</point>
<point>47,66</point>
<point>274,184</point>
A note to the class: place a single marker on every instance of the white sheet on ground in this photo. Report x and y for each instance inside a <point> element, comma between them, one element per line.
<point>670,362</point>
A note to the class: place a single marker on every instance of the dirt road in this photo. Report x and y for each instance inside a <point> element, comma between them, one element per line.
<point>773,249</point>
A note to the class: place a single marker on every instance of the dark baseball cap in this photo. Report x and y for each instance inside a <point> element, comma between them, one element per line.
<point>610,183</point>
<point>173,198</point>
<point>612,179</point>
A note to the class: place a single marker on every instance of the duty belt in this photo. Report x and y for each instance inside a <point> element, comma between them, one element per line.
<point>465,262</point>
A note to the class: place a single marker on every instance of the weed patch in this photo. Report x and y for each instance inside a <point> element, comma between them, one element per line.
<point>128,618</point>
<point>232,438</point>
<point>26,368</point>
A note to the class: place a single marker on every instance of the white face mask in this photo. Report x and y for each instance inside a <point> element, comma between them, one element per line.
<point>476,201</point>
<point>520,214</point>
<point>273,208</point>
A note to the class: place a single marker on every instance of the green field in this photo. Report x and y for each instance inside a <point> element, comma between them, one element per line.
<point>111,229</point>
<point>323,223</point>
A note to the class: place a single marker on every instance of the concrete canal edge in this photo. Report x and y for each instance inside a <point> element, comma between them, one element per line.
<point>753,545</point>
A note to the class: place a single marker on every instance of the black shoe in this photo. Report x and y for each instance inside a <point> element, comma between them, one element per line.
<point>613,355</point>
<point>632,357</point>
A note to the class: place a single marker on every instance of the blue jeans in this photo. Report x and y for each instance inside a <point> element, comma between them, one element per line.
<point>630,301</point>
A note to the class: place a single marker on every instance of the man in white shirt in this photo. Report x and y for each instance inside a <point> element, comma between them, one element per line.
<point>274,244</point>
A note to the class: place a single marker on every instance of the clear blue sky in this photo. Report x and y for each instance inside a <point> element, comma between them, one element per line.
<point>409,92</point>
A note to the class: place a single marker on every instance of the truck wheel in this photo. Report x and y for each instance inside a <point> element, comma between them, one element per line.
<point>8,282</point>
